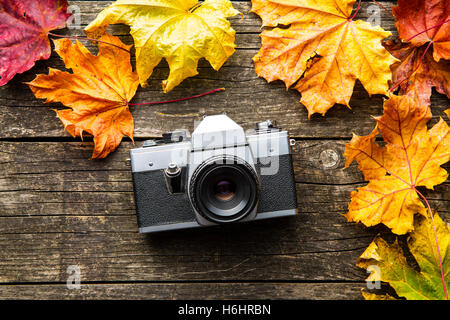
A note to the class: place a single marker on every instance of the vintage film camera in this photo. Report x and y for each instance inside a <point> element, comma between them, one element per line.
<point>219,176</point>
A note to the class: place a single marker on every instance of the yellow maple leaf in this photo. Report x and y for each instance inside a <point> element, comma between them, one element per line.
<point>323,48</point>
<point>373,296</point>
<point>182,32</point>
<point>97,92</point>
<point>393,267</point>
<point>411,158</point>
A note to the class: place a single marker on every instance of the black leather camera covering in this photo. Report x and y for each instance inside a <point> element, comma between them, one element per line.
<point>278,190</point>
<point>156,206</point>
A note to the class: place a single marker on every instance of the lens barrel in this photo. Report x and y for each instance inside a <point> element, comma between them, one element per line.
<point>224,189</point>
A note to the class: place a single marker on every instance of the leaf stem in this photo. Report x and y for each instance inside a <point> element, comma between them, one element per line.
<point>85,38</point>
<point>177,100</point>
<point>357,9</point>
<point>191,10</point>
<point>381,6</point>
<point>439,24</point>
<point>437,243</point>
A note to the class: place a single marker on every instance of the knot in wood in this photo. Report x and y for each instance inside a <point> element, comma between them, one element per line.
<point>329,158</point>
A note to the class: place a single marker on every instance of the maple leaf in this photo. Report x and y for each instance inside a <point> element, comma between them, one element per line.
<point>323,49</point>
<point>421,22</point>
<point>411,157</point>
<point>417,71</point>
<point>182,32</point>
<point>97,92</point>
<point>393,267</point>
<point>373,296</point>
<point>24,27</point>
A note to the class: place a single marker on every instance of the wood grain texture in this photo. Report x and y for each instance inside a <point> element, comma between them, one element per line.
<point>196,291</point>
<point>59,208</point>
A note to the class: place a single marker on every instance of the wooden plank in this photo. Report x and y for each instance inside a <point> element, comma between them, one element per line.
<point>196,291</point>
<point>260,251</point>
<point>248,98</point>
<point>58,208</point>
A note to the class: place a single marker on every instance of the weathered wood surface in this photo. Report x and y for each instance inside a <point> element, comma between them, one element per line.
<point>197,291</point>
<point>58,208</point>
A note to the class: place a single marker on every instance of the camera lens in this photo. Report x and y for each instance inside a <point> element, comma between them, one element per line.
<point>224,189</point>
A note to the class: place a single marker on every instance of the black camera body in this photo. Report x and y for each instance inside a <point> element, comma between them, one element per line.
<point>220,175</point>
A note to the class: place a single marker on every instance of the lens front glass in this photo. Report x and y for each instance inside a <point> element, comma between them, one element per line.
<point>225,192</point>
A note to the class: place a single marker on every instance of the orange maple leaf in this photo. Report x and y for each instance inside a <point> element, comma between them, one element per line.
<point>417,71</point>
<point>323,49</point>
<point>421,22</point>
<point>412,157</point>
<point>97,92</point>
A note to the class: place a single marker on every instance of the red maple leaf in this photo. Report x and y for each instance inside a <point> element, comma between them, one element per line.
<point>421,22</point>
<point>24,28</point>
<point>417,72</point>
